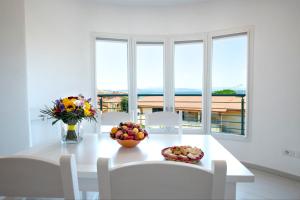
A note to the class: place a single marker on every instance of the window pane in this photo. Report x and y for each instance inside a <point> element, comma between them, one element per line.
<point>188,63</point>
<point>150,63</point>
<point>111,75</point>
<point>229,83</point>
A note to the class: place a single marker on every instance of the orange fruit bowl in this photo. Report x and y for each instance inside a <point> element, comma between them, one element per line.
<point>128,143</point>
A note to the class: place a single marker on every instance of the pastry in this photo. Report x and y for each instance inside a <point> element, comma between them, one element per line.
<point>183,153</point>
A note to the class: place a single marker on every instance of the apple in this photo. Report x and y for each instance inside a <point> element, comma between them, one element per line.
<point>135,137</point>
<point>135,130</point>
<point>125,136</point>
<point>119,133</point>
<point>130,132</point>
<point>130,137</point>
<point>129,125</point>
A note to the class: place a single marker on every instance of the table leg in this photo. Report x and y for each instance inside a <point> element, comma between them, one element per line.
<point>230,191</point>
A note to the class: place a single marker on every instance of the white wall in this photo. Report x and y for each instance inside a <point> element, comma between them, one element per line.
<point>58,38</point>
<point>14,127</point>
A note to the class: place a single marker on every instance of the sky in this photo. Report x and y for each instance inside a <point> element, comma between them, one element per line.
<point>188,65</point>
<point>229,64</point>
<point>150,63</point>
<point>111,65</point>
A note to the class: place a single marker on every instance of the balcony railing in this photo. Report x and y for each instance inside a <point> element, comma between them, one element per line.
<point>228,111</point>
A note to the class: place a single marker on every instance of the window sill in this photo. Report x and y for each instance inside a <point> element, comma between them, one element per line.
<point>228,136</point>
<point>185,131</point>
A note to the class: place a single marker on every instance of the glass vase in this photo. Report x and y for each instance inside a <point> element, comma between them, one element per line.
<point>71,133</point>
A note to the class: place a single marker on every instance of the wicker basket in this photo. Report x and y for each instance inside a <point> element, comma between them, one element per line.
<point>179,159</point>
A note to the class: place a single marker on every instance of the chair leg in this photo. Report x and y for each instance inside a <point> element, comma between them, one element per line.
<point>89,195</point>
<point>230,192</point>
<point>84,195</point>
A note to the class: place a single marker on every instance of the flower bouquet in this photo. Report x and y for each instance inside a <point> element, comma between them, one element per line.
<point>71,111</point>
<point>128,134</point>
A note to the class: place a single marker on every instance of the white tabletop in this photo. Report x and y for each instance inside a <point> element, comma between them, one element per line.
<point>94,146</point>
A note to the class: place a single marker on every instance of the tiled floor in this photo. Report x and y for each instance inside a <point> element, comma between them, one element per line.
<point>269,186</point>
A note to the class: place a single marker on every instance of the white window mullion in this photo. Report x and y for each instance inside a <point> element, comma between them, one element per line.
<point>132,93</point>
<point>169,77</point>
<point>206,97</point>
<point>249,109</point>
<point>93,78</point>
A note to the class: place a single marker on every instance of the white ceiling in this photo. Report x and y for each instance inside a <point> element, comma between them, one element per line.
<point>149,2</point>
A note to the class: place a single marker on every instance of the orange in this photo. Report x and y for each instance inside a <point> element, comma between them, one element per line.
<point>114,130</point>
<point>140,135</point>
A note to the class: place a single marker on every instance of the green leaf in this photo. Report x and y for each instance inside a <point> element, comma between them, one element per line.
<point>55,121</point>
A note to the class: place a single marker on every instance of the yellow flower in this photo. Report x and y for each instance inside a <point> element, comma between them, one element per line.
<point>66,101</point>
<point>70,107</point>
<point>87,112</point>
<point>69,104</point>
<point>87,105</point>
<point>73,100</point>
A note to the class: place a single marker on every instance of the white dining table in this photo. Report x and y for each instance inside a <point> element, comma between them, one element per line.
<point>95,145</point>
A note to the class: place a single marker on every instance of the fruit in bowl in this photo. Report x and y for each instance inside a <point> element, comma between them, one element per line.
<point>186,154</point>
<point>128,134</point>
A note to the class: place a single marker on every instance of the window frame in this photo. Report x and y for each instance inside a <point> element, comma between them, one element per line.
<point>169,73</point>
<point>186,38</point>
<point>109,36</point>
<point>146,39</point>
<point>249,31</point>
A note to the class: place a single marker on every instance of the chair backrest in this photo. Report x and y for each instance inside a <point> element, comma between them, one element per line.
<point>168,119</point>
<point>161,180</point>
<point>32,177</point>
<point>112,119</point>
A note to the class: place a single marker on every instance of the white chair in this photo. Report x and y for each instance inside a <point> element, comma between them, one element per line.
<point>166,119</point>
<point>112,119</point>
<point>36,178</point>
<point>161,180</point>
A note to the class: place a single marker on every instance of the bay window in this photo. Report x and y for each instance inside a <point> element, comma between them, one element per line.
<point>204,77</point>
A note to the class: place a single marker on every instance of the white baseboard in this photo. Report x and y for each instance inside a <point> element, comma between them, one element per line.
<point>272,171</point>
